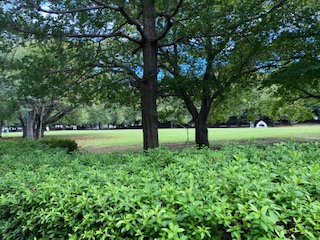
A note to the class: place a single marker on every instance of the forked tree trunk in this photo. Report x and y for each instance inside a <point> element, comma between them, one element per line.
<point>148,85</point>
<point>200,121</point>
<point>39,131</point>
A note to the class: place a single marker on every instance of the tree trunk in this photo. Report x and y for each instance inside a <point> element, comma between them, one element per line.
<point>148,85</point>
<point>1,125</point>
<point>201,133</point>
<point>28,124</point>
<point>238,122</point>
<point>42,131</point>
<point>39,131</point>
<point>207,99</point>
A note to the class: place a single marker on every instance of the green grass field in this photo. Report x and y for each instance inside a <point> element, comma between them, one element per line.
<point>108,140</point>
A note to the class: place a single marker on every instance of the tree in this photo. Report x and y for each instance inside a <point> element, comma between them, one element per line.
<point>7,95</point>
<point>50,80</point>
<point>7,106</point>
<point>172,110</point>
<point>233,38</point>
<point>235,44</point>
<point>298,41</point>
<point>206,69</point>
<point>143,23</point>
<point>94,115</point>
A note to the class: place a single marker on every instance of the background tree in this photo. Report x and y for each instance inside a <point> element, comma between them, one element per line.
<point>7,94</point>
<point>253,104</point>
<point>50,79</point>
<point>143,23</point>
<point>173,110</point>
<point>7,106</point>
<point>220,58</point>
<point>235,43</point>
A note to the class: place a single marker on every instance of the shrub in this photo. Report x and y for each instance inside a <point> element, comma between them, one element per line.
<point>239,192</point>
<point>68,144</point>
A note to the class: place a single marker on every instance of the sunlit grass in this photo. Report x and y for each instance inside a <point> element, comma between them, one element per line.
<point>133,137</point>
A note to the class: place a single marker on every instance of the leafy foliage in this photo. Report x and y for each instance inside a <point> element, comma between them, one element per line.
<point>67,144</point>
<point>250,192</point>
<point>298,80</point>
<point>258,102</point>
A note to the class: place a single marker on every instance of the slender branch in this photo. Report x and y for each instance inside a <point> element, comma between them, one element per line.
<point>131,20</point>
<point>119,65</point>
<point>132,39</point>
<point>60,114</point>
<point>308,94</point>
<point>176,9</point>
<point>267,66</point>
<point>101,5</point>
<point>169,17</point>
<point>70,35</point>
<point>40,9</point>
<point>106,85</point>
<point>166,30</point>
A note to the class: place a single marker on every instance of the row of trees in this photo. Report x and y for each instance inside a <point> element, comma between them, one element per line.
<point>247,106</point>
<point>204,53</point>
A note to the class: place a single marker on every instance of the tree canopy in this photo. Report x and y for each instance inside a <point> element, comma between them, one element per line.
<point>200,51</point>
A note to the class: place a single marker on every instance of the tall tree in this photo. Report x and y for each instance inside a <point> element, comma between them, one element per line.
<point>144,23</point>
<point>205,69</point>
<point>236,41</point>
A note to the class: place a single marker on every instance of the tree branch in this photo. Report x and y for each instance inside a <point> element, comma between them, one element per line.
<point>40,9</point>
<point>308,94</point>
<point>114,64</point>
<point>71,35</point>
<point>130,20</point>
<point>60,114</point>
<point>169,17</point>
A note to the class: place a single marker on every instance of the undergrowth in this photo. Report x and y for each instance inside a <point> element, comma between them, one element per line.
<point>238,192</point>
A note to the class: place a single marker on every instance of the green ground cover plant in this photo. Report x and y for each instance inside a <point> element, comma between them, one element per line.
<point>238,192</point>
<point>68,144</point>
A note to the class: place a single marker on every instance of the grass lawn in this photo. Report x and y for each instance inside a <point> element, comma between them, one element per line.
<point>108,140</point>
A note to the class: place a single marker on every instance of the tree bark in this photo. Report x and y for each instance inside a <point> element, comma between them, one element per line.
<point>39,130</point>
<point>40,123</point>
<point>148,85</point>
<point>1,125</point>
<point>207,99</point>
<point>201,133</point>
<point>38,119</point>
<point>28,125</point>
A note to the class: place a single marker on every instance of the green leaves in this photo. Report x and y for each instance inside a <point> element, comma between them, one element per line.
<point>238,192</point>
<point>174,232</point>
